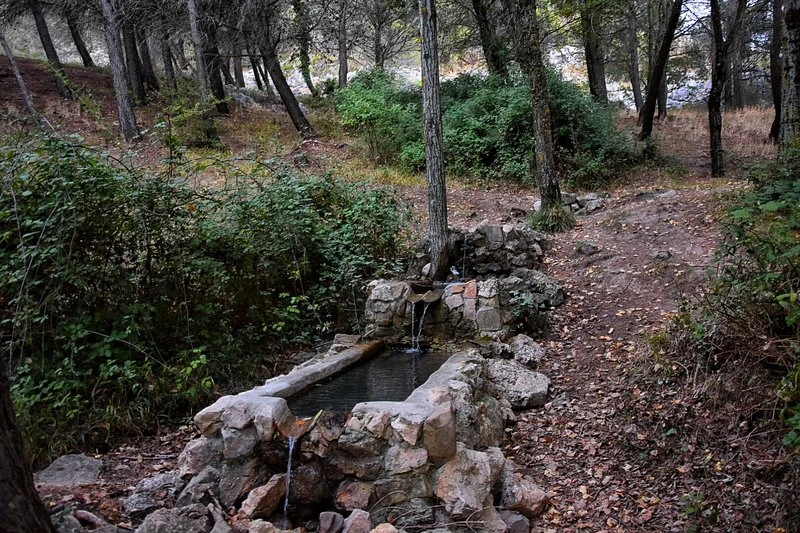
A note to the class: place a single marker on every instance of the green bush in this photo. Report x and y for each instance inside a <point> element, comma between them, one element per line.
<point>486,126</point>
<point>127,296</point>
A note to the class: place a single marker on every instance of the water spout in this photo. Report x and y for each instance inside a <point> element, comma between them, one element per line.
<point>419,331</point>
<point>292,440</point>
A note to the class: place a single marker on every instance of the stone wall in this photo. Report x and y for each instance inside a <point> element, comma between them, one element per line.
<point>428,461</point>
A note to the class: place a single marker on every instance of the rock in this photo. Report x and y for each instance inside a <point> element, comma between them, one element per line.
<point>520,493</point>
<point>402,487</point>
<point>358,522</point>
<point>568,198</point>
<point>526,351</point>
<point>238,478</point>
<point>522,387</point>
<point>586,248</point>
<point>202,488</point>
<point>190,519</point>
<point>515,522</point>
<point>353,494</point>
<point>309,485</point>
<point>262,501</point>
<point>401,458</point>
<point>465,482</point>
<point>439,434</point>
<point>360,443</point>
<point>209,420</point>
<point>150,494</point>
<point>385,528</point>
<point>489,319</point>
<point>330,522</point>
<point>408,426</point>
<point>220,523</point>
<point>69,524</point>
<point>593,205</point>
<point>70,471</point>
<point>261,526</point>
<point>238,443</point>
<point>198,454</point>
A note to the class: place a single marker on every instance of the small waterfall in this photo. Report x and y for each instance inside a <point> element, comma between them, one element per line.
<point>421,324</point>
<point>292,441</point>
<point>413,320</point>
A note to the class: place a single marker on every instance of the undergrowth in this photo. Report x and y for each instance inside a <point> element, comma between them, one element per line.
<point>127,296</point>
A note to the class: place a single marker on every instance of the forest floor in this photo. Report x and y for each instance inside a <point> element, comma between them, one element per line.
<point>633,438</point>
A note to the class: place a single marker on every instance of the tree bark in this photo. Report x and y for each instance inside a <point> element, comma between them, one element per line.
<point>119,75</point>
<point>254,65</point>
<point>594,54</point>
<point>303,35</point>
<point>49,47</point>
<point>494,51</point>
<point>148,72</point>
<point>658,71</point>
<point>341,45</point>
<point>776,67</point>
<point>77,38</point>
<point>299,119</point>
<point>167,59</point>
<point>238,73</point>
<point>21,508</point>
<point>661,102</point>
<point>633,56</point>
<point>197,39</point>
<point>23,87</point>
<point>790,106</point>
<point>434,151</point>
<point>133,63</point>
<point>214,67</point>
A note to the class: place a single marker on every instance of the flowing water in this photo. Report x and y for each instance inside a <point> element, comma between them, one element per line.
<point>292,441</point>
<point>390,376</point>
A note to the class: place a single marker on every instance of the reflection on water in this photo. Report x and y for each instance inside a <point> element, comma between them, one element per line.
<point>390,376</point>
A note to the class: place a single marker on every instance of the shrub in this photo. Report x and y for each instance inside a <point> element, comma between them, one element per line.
<point>128,296</point>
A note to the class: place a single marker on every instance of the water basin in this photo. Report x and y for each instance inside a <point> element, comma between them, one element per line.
<point>390,376</point>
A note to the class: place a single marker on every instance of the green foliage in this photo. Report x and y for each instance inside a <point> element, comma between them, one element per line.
<point>752,315</point>
<point>127,296</point>
<point>486,126</point>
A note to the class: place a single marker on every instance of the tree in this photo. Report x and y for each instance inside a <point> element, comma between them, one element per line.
<point>302,20</point>
<point>790,106</point>
<point>593,50</point>
<point>74,30</point>
<point>776,67</point>
<point>49,47</point>
<point>633,55</point>
<point>494,48</point>
<point>434,151</point>
<point>23,88</point>
<point>389,30</point>
<point>719,75</point>
<point>528,48</point>
<point>21,508</point>
<point>119,75</point>
<point>658,71</point>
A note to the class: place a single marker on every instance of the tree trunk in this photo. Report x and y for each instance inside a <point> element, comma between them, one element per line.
<point>148,72</point>
<point>197,39</point>
<point>225,70</point>
<point>49,47</point>
<point>379,52</point>
<point>119,75</point>
<point>20,506</point>
<point>528,50</point>
<point>494,52</point>
<point>341,45</point>
<point>265,75</point>
<point>776,67</point>
<point>303,35</point>
<point>661,118</point>
<point>790,106</point>
<point>658,71</point>
<point>254,65</point>
<point>719,74</point>
<point>23,88</point>
<point>238,73</point>
<point>434,152</point>
<point>133,64</point>
<point>214,66</point>
<point>595,57</point>
<point>77,38</point>
<point>167,59</point>
<point>633,56</point>
<point>299,120</point>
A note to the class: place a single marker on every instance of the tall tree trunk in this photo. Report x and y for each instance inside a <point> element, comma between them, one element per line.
<point>119,75</point>
<point>148,72</point>
<point>238,72</point>
<point>633,56</point>
<point>527,46</point>
<point>167,59</point>
<point>790,106</point>
<point>254,65</point>
<point>299,119</point>
<point>265,75</point>
<point>77,38</point>
<point>303,35</point>
<point>663,93</point>
<point>225,70</point>
<point>776,67</point>
<point>23,87</point>
<point>434,151</point>
<point>133,63</point>
<point>341,45</point>
<point>595,56</point>
<point>49,47</point>
<point>199,46</point>
<point>20,506</point>
<point>494,51</point>
<point>658,71</point>
<point>379,52</point>
<point>214,66</point>
<point>719,74</point>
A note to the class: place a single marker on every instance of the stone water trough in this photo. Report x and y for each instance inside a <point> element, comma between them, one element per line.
<point>429,463</point>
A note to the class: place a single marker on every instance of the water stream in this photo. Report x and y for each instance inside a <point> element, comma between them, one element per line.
<point>292,441</point>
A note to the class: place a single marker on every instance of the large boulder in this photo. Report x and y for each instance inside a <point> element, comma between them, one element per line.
<point>522,387</point>
<point>262,501</point>
<point>466,481</point>
<point>151,493</point>
<point>70,471</point>
<point>193,518</point>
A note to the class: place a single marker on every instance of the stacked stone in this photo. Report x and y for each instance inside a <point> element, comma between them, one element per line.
<point>430,460</point>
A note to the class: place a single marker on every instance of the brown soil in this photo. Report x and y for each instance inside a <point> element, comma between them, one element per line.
<point>632,440</point>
